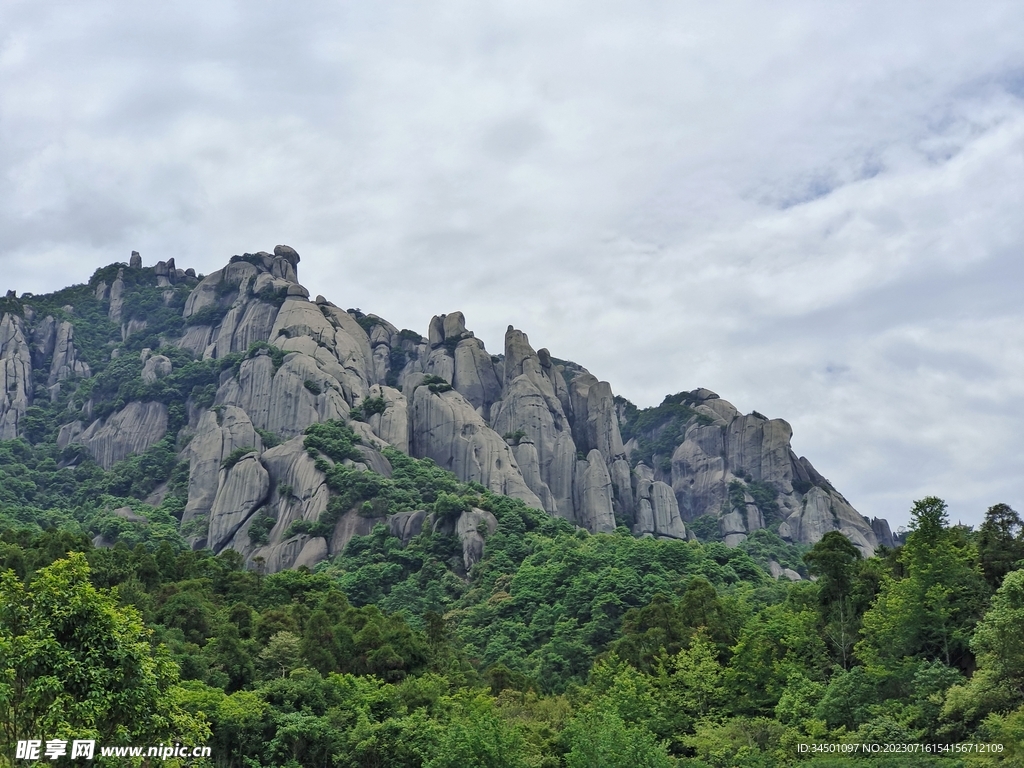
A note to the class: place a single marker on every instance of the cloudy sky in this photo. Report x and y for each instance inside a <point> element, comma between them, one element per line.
<point>814,209</point>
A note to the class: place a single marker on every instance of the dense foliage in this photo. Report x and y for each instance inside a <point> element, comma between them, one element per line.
<point>557,648</point>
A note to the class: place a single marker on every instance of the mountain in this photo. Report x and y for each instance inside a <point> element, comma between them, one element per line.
<point>225,373</point>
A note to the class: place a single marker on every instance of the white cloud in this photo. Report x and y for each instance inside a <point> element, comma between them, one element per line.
<point>814,210</point>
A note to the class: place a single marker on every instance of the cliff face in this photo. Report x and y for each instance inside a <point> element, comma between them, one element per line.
<point>521,424</point>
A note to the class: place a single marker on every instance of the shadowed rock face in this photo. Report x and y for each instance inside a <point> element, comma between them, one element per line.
<point>522,424</point>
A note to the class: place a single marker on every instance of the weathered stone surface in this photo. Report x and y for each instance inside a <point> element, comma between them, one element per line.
<point>666,512</point>
<point>129,431</point>
<point>468,528</point>
<point>133,326</point>
<point>283,402</point>
<point>595,418</point>
<point>116,298</point>
<point>298,492</point>
<point>392,426</point>
<point>15,376</point>
<point>446,427</point>
<point>594,494</point>
<point>761,448</point>
<point>698,472</point>
<point>242,489</point>
<point>882,532</point>
<point>67,434</point>
<point>407,525</point>
<point>622,486</point>
<point>156,367</point>
<point>474,375</point>
<point>136,261</point>
<point>644,518</point>
<point>531,404</point>
<point>217,435</point>
<point>65,357</point>
<point>44,337</point>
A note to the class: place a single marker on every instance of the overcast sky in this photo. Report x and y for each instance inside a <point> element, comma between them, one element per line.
<point>814,209</point>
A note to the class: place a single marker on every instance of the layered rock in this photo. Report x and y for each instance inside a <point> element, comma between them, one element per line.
<point>66,362</point>
<point>725,447</point>
<point>219,433</point>
<point>533,406</point>
<point>446,428</point>
<point>135,428</point>
<point>15,376</point>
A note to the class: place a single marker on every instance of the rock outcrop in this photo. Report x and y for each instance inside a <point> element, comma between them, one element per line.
<point>522,424</point>
<point>15,376</point>
<point>446,428</point>
<point>66,362</point>
<point>133,429</point>
<point>725,449</point>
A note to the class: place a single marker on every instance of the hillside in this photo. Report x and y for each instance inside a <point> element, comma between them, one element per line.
<point>234,517</point>
<point>227,371</point>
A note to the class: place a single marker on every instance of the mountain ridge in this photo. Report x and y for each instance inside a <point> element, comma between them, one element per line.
<point>522,424</point>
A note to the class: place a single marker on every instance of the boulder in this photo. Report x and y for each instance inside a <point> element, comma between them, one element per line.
<point>156,367</point>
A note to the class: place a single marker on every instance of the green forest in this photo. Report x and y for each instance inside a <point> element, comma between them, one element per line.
<point>558,648</point>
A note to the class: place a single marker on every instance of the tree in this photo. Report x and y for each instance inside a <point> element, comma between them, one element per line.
<point>1000,543</point>
<point>928,614</point>
<point>834,561</point>
<point>74,663</point>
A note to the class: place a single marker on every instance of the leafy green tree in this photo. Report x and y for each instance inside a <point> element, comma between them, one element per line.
<point>598,738</point>
<point>834,561</point>
<point>931,611</point>
<point>1000,543</point>
<point>477,735</point>
<point>74,663</point>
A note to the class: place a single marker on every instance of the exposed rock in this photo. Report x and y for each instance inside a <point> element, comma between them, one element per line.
<point>407,525</point>
<point>531,405</point>
<point>44,337</point>
<point>67,434</point>
<point>287,401</point>
<point>468,529</point>
<point>136,261</point>
<point>446,428</point>
<point>594,494</point>
<point>116,298</point>
<point>15,376</point>
<point>126,432</point>
<point>156,367</point>
<point>474,375</point>
<point>666,512</point>
<point>595,419</point>
<point>242,489</point>
<point>65,357</point>
<point>882,532</point>
<point>392,426</point>
<point>129,514</point>
<point>218,434</point>
<point>133,326</point>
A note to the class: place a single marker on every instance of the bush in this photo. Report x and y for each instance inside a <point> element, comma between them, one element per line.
<point>235,456</point>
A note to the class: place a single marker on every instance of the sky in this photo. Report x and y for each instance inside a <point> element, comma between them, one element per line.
<point>814,209</point>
